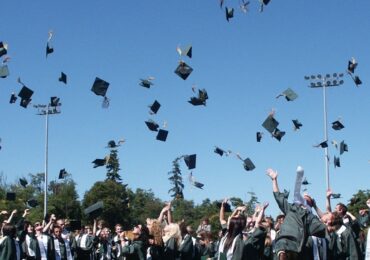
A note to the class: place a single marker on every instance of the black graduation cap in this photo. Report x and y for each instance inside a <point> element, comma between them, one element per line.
<point>94,209</point>
<point>305,182</point>
<point>337,125</point>
<point>265,2</point>
<point>183,70</point>
<point>336,196</point>
<point>10,196</point>
<point>289,94</point>
<point>227,207</point>
<point>49,49</point>
<point>352,64</point>
<point>23,182</point>
<point>190,161</point>
<point>201,99</point>
<point>32,203</point>
<point>198,184</point>
<point>54,101</point>
<point>248,165</point>
<point>99,162</point>
<point>13,98</point>
<point>100,87</point>
<point>322,144</point>
<point>343,147</point>
<point>336,162</point>
<point>62,173</point>
<point>297,124</point>
<point>146,83</point>
<point>3,48</point>
<point>153,126</point>
<point>63,78</point>
<point>278,134</point>
<point>25,94</point>
<point>112,144</point>
<point>74,225</point>
<point>357,80</point>
<point>155,107</point>
<point>270,124</point>
<point>259,136</point>
<point>4,71</point>
<point>229,13</point>
<point>220,151</point>
<point>162,135</point>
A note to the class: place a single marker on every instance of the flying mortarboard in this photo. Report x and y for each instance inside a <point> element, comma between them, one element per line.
<point>322,144</point>
<point>336,196</point>
<point>54,101</point>
<point>198,184</point>
<point>297,124</point>
<point>305,182</point>
<point>10,196</point>
<point>270,124</point>
<point>229,13</point>
<point>357,81</point>
<point>100,87</point>
<point>190,161</point>
<point>25,94</point>
<point>278,134</point>
<point>95,208</point>
<point>343,147</point>
<point>49,48</point>
<point>201,99</point>
<point>99,162</point>
<point>289,94</point>
<point>259,136</point>
<point>219,151</point>
<point>263,2</point>
<point>23,182</point>
<point>352,64</point>
<point>4,71</point>
<point>188,51</point>
<point>112,144</point>
<point>336,162</point>
<point>162,135</point>
<point>155,107</point>
<point>183,70</point>
<point>248,165</point>
<point>13,98</point>
<point>3,48</point>
<point>153,126</point>
<point>62,173</point>
<point>337,125</point>
<point>32,203</point>
<point>146,83</point>
<point>63,78</point>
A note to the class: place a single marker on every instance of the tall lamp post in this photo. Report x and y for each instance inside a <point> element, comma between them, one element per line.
<point>324,81</point>
<point>46,110</point>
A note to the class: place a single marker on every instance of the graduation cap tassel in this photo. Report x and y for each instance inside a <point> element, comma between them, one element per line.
<point>105,103</point>
<point>20,82</point>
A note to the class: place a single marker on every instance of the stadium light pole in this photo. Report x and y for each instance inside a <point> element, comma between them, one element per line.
<point>324,81</point>
<point>46,110</point>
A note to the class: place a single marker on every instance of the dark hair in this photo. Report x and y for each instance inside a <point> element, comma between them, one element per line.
<point>236,226</point>
<point>344,207</point>
<point>337,220</point>
<point>9,230</point>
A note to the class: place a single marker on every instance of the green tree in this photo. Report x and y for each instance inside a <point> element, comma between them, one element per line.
<point>114,195</point>
<point>184,210</point>
<point>113,166</point>
<point>358,201</point>
<point>176,180</point>
<point>251,203</point>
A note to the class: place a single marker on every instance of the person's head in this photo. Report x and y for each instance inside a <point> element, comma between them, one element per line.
<point>61,223</point>
<point>37,226</point>
<point>334,221</point>
<point>236,227</point>
<point>280,218</point>
<point>28,227</point>
<point>118,229</point>
<point>172,230</point>
<point>155,231</point>
<point>205,221</point>
<point>341,209</point>
<point>57,231</point>
<point>104,234</point>
<point>9,230</point>
<point>101,224</point>
<point>88,230</point>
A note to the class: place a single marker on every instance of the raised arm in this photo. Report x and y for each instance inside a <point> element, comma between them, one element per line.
<point>169,214</point>
<point>273,175</point>
<point>317,209</point>
<point>48,226</point>
<point>222,213</point>
<point>328,195</point>
<point>9,220</point>
<point>261,214</point>
<point>163,212</point>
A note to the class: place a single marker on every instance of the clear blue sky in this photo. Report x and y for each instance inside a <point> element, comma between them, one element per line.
<point>243,64</point>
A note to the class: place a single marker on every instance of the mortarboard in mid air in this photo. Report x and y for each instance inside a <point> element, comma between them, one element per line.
<point>221,152</point>
<point>100,162</point>
<point>183,70</point>
<point>336,162</point>
<point>32,203</point>
<point>248,165</point>
<point>190,161</point>
<point>352,64</point>
<point>336,195</point>
<point>297,124</point>
<point>259,136</point>
<point>229,13</point>
<point>278,134</point>
<point>154,107</point>
<point>3,48</point>
<point>55,101</point>
<point>270,123</point>
<point>4,70</point>
<point>289,94</point>
<point>23,182</point>
<point>322,144</point>
<point>112,144</point>
<point>201,99</point>
<point>226,206</point>
<point>49,48</point>
<point>244,6</point>
<point>162,135</point>
<point>62,173</point>
<point>337,125</point>
<point>305,182</point>
<point>188,51</point>
<point>11,196</point>
<point>100,88</point>
<point>13,98</point>
<point>153,126</point>
<point>263,3</point>
<point>63,78</point>
<point>147,83</point>
<point>357,80</point>
<point>343,147</point>
<point>194,182</point>
<point>25,94</point>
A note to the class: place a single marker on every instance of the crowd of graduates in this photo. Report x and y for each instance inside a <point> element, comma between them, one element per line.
<point>302,231</point>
